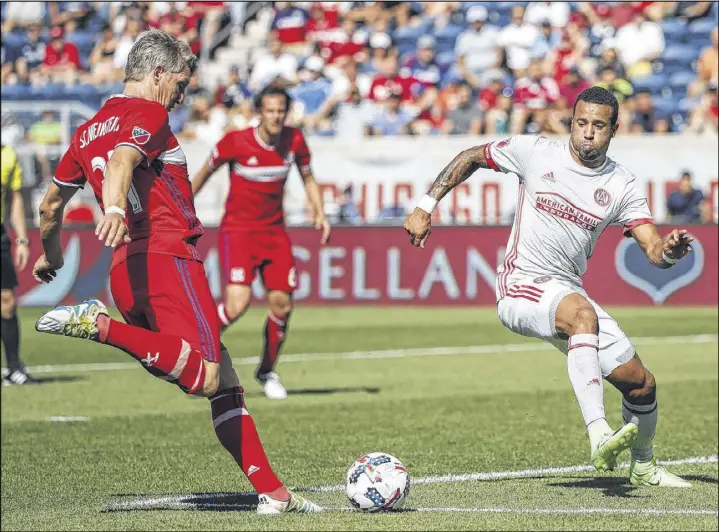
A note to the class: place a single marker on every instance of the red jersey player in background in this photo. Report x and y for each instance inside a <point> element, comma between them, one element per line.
<point>252,233</point>
<point>138,173</point>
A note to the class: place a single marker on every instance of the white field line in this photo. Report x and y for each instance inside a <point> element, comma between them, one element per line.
<point>390,353</point>
<point>206,500</point>
<point>503,475</point>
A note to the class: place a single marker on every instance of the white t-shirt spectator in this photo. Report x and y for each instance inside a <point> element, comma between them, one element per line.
<point>124,45</point>
<point>637,43</point>
<point>557,13</point>
<point>517,41</point>
<point>25,13</point>
<point>267,67</point>
<point>479,49</point>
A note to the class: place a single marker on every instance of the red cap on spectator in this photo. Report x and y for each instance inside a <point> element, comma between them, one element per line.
<point>57,33</point>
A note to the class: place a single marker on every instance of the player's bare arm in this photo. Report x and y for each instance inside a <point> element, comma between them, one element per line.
<point>314,194</point>
<point>662,252</point>
<point>201,177</point>
<point>17,220</point>
<point>418,224</point>
<point>115,187</point>
<point>52,209</point>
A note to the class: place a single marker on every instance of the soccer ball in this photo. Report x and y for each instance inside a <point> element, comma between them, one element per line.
<point>377,482</point>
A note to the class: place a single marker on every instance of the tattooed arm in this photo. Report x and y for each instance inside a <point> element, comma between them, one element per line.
<point>418,224</point>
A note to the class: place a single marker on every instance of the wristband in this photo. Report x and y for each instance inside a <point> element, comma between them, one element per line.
<point>427,203</point>
<point>668,260</point>
<point>116,210</point>
<point>22,242</point>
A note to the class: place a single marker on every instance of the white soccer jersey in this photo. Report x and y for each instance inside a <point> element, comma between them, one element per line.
<point>562,208</point>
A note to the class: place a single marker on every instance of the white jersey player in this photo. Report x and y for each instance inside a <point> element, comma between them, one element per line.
<point>569,192</point>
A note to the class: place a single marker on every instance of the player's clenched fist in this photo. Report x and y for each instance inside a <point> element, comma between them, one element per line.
<point>677,244</point>
<point>44,270</point>
<point>419,226</point>
<point>112,229</point>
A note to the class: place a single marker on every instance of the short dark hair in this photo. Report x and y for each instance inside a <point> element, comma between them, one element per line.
<point>272,91</point>
<point>599,96</point>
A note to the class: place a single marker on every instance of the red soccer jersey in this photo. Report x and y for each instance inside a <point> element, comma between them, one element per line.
<point>257,176</point>
<point>160,208</point>
<point>68,54</point>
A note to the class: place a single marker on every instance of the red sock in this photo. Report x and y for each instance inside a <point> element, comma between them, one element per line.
<point>237,433</point>
<point>275,329</point>
<point>164,355</point>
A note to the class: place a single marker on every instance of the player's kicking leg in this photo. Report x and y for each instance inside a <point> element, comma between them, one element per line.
<point>639,406</point>
<point>576,318</point>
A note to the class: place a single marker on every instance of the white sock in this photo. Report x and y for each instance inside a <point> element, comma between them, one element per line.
<point>223,315</point>
<point>645,417</point>
<point>586,378</point>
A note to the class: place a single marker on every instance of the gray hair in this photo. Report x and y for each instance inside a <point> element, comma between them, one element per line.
<point>156,48</point>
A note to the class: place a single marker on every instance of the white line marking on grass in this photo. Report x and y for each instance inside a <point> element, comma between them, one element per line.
<point>503,475</point>
<point>68,419</point>
<point>550,511</point>
<point>385,354</point>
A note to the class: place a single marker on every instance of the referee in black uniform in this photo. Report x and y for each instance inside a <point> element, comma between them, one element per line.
<point>14,374</point>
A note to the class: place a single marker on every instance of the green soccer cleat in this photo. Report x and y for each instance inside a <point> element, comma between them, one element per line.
<point>652,474</point>
<point>270,506</point>
<point>78,321</point>
<point>604,457</point>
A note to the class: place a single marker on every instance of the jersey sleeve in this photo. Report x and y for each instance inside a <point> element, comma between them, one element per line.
<point>147,129</point>
<point>302,152</point>
<point>633,209</point>
<point>69,172</point>
<point>12,172</point>
<point>511,155</point>
<point>223,152</point>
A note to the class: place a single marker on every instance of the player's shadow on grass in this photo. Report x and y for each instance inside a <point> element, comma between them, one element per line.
<point>609,486</point>
<point>706,479</point>
<point>202,502</point>
<point>321,391</point>
<point>51,380</point>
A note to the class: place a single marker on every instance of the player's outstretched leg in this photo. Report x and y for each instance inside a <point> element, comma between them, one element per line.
<point>275,333</point>
<point>236,431</point>
<point>576,318</point>
<point>164,355</point>
<point>639,406</point>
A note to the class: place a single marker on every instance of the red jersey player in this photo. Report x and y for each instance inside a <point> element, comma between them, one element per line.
<point>252,232</point>
<point>137,170</point>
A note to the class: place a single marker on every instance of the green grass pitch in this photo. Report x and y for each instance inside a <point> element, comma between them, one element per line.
<point>146,457</point>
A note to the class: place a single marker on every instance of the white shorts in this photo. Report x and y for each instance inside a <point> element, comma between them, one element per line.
<point>529,309</point>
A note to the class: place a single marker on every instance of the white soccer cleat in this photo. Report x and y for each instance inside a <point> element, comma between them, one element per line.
<point>654,475</point>
<point>269,506</point>
<point>604,457</point>
<point>272,386</point>
<point>77,321</point>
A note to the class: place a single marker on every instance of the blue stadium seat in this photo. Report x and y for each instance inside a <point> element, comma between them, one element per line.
<point>653,83</point>
<point>16,92</point>
<point>14,39</point>
<point>446,58</point>
<point>687,104</point>
<point>673,29</point>
<point>680,54</point>
<point>703,26</point>
<point>446,37</point>
<point>667,105</point>
<point>681,80</point>
<point>406,39</point>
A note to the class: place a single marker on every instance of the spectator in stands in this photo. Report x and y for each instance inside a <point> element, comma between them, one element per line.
<point>517,39</point>
<point>556,13</point>
<point>31,55</point>
<point>345,76</point>
<point>703,118</point>
<point>132,31</point>
<point>46,137</point>
<point>319,24</point>
<point>476,48</point>
<point>101,58</point>
<point>489,94</point>
<point>380,45</point>
<point>23,14</point>
<point>423,65</point>
<point>534,93</point>
<point>622,90</point>
<point>466,116</point>
<point>353,116</point>
<point>242,116</point>
<point>290,24</point>
<point>313,96</point>
<point>392,119</point>
<point>598,18</point>
<point>275,64</point>
<point>390,82</point>
<point>63,12</point>
<point>689,11</point>
<point>610,59</point>
<point>62,59</point>
<point>571,85</point>
<point>499,117</point>
<point>638,43</point>
<point>708,69</point>
<point>645,117</point>
<point>348,212</point>
<point>180,25</point>
<point>342,42</point>
<point>569,53</point>
<point>547,40</point>
<point>211,17</point>
<point>234,92</point>
<point>684,204</point>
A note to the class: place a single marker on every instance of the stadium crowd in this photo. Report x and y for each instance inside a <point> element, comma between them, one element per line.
<point>390,68</point>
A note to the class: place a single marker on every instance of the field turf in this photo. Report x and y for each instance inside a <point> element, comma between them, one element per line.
<point>143,456</point>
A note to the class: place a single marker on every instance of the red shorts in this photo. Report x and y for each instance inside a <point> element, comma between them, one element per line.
<point>170,295</point>
<point>270,252</point>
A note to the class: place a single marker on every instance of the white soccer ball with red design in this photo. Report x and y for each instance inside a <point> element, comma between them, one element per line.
<point>377,482</point>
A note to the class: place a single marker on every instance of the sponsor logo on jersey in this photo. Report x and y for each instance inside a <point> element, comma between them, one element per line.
<point>548,177</point>
<point>502,143</point>
<point>602,197</point>
<point>560,207</point>
<point>542,279</point>
<point>140,135</point>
